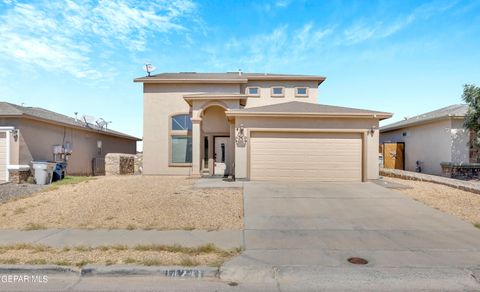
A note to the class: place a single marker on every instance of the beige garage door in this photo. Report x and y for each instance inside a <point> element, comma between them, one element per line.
<point>306,156</point>
<point>3,156</point>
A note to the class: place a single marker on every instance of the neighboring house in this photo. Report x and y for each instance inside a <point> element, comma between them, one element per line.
<point>431,138</point>
<point>31,133</point>
<point>254,126</point>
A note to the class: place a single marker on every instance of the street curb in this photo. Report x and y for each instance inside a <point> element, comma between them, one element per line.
<point>166,271</point>
<point>38,269</point>
<point>115,270</point>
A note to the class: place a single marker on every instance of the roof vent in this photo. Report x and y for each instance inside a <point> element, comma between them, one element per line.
<point>239,72</point>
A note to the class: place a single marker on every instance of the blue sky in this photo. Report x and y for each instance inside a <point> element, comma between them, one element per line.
<point>405,57</point>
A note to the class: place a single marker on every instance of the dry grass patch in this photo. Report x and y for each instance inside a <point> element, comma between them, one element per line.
<point>127,202</point>
<point>465,205</point>
<point>149,255</point>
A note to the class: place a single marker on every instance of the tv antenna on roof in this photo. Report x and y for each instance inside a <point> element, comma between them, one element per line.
<point>101,123</point>
<point>148,68</point>
<point>89,120</point>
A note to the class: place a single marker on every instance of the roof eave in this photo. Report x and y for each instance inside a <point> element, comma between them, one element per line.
<point>189,81</point>
<point>387,128</point>
<point>80,127</point>
<point>379,116</point>
<point>190,98</point>
<point>319,79</point>
<point>11,115</point>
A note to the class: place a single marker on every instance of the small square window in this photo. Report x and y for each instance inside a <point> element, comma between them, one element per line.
<point>277,91</point>
<point>253,91</point>
<point>301,91</point>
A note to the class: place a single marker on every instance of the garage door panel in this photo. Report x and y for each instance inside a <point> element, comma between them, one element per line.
<point>306,156</point>
<point>325,176</point>
<point>303,167</point>
<point>304,161</point>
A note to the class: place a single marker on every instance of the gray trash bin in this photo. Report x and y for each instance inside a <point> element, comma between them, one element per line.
<point>43,171</point>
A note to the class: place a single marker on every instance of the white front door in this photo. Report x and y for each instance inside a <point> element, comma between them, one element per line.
<point>221,155</point>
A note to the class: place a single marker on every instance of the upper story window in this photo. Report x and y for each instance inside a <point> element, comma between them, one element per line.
<point>277,91</point>
<point>181,123</point>
<point>301,91</point>
<point>255,91</point>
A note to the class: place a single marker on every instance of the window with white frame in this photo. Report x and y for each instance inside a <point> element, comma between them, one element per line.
<point>253,91</point>
<point>301,91</point>
<point>181,122</point>
<point>277,91</point>
<point>181,139</point>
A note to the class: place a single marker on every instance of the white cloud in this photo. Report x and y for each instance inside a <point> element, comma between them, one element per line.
<point>268,51</point>
<point>270,6</point>
<point>362,31</point>
<point>283,3</point>
<point>65,35</point>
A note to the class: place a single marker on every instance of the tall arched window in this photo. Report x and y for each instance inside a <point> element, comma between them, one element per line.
<point>181,139</point>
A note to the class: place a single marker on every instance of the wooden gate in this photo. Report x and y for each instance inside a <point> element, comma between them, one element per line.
<point>393,155</point>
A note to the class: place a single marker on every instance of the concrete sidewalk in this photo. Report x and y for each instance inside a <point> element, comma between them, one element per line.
<point>225,239</point>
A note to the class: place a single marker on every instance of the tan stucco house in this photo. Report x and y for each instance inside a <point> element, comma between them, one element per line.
<point>36,134</point>
<point>254,126</point>
<point>431,139</point>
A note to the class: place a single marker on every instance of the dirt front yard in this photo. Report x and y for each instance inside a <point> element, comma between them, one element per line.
<point>148,255</point>
<point>465,205</point>
<point>127,202</point>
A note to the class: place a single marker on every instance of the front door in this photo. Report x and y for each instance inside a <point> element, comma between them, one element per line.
<point>221,155</point>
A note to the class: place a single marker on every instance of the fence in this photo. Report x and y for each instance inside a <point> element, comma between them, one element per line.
<point>98,166</point>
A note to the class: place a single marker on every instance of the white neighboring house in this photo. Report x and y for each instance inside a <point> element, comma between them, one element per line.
<point>432,138</point>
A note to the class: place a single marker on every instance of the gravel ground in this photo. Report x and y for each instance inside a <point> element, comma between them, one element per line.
<point>10,191</point>
<point>127,202</point>
<point>465,205</point>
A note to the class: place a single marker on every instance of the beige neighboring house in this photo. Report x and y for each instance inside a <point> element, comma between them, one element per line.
<point>31,133</point>
<point>431,138</point>
<point>256,127</point>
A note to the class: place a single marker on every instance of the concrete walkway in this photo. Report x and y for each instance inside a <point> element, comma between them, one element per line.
<point>225,239</point>
<point>217,182</point>
<point>307,231</point>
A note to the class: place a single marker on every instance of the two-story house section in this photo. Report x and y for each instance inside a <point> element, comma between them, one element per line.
<point>254,126</point>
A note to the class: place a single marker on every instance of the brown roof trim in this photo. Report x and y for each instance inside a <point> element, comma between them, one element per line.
<point>118,135</point>
<point>380,116</point>
<point>159,79</point>
<point>319,79</point>
<point>170,81</point>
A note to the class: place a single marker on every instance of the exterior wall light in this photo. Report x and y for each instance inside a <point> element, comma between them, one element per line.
<point>241,139</point>
<point>15,134</point>
<point>372,130</point>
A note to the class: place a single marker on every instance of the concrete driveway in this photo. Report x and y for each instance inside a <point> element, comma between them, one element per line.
<point>298,231</point>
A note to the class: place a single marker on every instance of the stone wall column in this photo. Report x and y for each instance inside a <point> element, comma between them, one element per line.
<point>196,160</point>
